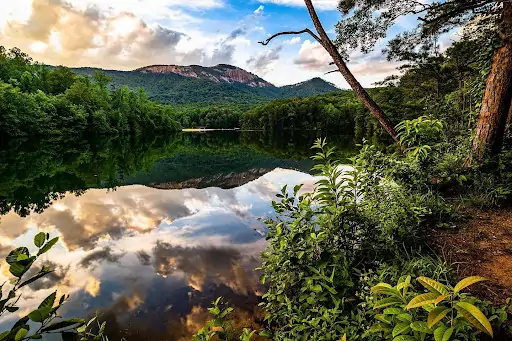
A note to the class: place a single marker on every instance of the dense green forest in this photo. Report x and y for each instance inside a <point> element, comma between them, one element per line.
<point>37,100</point>
<point>175,89</point>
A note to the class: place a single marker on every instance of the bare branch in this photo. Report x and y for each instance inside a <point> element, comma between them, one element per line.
<point>307,30</point>
<point>333,71</point>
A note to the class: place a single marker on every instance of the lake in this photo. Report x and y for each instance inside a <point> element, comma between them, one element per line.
<point>151,230</point>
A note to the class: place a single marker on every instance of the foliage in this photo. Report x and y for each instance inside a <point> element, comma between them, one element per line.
<point>443,312</point>
<point>220,328</point>
<point>38,101</point>
<point>20,261</point>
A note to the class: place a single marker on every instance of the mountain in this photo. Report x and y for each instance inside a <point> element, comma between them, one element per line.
<point>181,85</point>
<point>220,73</point>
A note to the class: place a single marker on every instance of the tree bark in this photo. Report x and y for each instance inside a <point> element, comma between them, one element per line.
<point>495,107</point>
<point>361,92</point>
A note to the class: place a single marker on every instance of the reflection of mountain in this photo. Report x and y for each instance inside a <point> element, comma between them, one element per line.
<point>226,181</point>
<point>35,173</point>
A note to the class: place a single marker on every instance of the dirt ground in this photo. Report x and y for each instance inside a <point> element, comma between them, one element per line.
<point>482,245</point>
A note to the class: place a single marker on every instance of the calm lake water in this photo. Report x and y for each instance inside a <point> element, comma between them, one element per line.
<point>151,231</point>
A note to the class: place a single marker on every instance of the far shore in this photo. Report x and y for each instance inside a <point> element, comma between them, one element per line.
<point>204,130</point>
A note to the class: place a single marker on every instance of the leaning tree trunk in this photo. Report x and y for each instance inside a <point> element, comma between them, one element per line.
<point>495,107</point>
<point>361,92</point>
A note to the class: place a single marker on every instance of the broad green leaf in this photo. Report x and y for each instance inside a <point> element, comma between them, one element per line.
<point>13,255</point>
<point>401,328</point>
<point>386,302</point>
<point>39,239</point>
<point>76,322</point>
<point>4,334</point>
<point>441,298</point>
<point>432,285</point>
<point>36,337</point>
<point>48,301</point>
<point>437,315</point>
<point>420,326</point>
<point>48,246</point>
<point>379,286</point>
<point>40,315</point>
<point>422,300</point>
<point>447,334</point>
<point>405,317</point>
<point>404,338</point>
<point>316,288</point>
<point>466,282</point>
<point>393,311</point>
<point>439,333</point>
<point>21,334</point>
<point>475,317</point>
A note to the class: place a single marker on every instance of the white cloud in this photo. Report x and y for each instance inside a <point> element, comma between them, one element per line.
<point>319,4</point>
<point>259,10</point>
<point>313,57</point>
<point>292,41</point>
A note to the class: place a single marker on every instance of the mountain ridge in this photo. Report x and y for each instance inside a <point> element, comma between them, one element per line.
<point>195,84</point>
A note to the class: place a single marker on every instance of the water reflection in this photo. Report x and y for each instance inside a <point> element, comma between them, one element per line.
<point>149,237</point>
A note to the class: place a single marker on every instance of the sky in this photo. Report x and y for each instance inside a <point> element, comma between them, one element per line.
<point>128,34</point>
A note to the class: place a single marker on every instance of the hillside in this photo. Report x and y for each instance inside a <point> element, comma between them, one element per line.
<point>178,85</point>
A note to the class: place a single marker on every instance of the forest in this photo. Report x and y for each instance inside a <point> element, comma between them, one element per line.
<point>36,100</point>
<point>405,239</point>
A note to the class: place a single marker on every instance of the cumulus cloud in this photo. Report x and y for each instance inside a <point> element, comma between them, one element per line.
<point>105,254</point>
<point>262,63</point>
<point>58,32</point>
<point>313,57</point>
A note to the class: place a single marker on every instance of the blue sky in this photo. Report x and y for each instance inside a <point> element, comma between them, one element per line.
<point>127,34</point>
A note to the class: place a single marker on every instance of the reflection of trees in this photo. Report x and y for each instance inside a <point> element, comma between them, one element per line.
<point>33,174</point>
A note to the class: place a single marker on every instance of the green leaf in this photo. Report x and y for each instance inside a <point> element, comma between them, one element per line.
<point>393,311</point>
<point>48,301</point>
<point>18,269</point>
<point>437,315</point>
<point>401,328</point>
<point>439,333</point>
<point>36,337</point>
<point>475,317</point>
<point>40,315</point>
<point>466,282</point>
<point>316,288</point>
<point>404,338</point>
<point>420,326</point>
<point>380,286</point>
<point>422,300</point>
<point>39,239</point>
<point>13,255</point>
<point>386,302</point>
<point>433,285</point>
<point>48,246</point>
<point>21,334</point>
<point>447,334</point>
<point>12,309</point>
<point>4,334</point>
<point>76,322</point>
<point>404,317</point>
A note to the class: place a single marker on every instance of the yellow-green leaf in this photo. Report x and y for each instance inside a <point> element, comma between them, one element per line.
<point>475,317</point>
<point>447,334</point>
<point>400,329</point>
<point>21,334</point>
<point>344,338</point>
<point>437,315</point>
<point>379,287</point>
<point>433,285</point>
<point>439,333</point>
<point>441,298</point>
<point>404,338</point>
<point>423,299</point>
<point>466,282</point>
<point>386,302</point>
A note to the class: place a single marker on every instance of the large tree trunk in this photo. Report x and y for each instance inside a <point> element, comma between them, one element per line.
<point>361,92</point>
<point>495,107</point>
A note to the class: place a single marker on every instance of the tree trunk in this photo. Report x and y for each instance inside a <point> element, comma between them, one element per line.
<point>495,107</point>
<point>361,92</point>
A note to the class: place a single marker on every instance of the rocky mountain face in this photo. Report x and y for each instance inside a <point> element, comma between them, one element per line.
<point>221,73</point>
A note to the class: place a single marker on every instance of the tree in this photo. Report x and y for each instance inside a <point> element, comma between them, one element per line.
<point>365,22</point>
<point>323,39</point>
